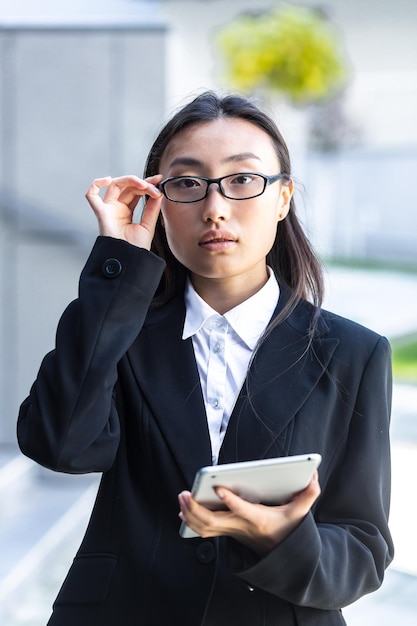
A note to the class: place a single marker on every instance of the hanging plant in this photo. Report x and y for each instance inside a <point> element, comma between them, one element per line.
<point>292,50</point>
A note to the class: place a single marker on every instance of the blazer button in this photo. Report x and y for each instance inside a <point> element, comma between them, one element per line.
<point>112,268</point>
<point>205,552</point>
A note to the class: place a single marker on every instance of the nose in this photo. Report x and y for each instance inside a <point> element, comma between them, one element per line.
<point>216,207</point>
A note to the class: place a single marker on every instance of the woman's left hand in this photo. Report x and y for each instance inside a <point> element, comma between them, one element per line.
<point>257,526</point>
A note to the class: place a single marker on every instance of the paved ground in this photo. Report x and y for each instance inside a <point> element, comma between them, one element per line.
<point>387,302</point>
<point>46,514</point>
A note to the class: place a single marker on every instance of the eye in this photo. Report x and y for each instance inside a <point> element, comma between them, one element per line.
<point>242,179</point>
<point>185,183</point>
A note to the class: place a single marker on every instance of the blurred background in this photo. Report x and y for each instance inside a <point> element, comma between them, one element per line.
<point>84,87</point>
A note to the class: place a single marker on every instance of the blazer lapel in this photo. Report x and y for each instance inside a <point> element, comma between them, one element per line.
<point>283,373</point>
<point>167,373</point>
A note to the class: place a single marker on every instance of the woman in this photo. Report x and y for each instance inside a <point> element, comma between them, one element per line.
<point>198,338</point>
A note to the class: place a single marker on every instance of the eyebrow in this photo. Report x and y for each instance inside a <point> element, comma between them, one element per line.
<point>192,162</point>
<point>243,156</point>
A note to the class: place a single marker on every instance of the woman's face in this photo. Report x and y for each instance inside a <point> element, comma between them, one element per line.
<point>218,239</point>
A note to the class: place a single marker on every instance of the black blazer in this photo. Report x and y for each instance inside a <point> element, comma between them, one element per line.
<point>121,395</point>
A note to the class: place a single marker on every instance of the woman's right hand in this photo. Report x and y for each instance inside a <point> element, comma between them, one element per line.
<point>114,211</point>
<point>260,527</point>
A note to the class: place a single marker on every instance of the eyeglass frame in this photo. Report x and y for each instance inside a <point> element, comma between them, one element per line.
<point>268,180</point>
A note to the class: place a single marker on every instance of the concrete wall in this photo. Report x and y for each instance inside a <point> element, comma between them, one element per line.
<point>77,101</point>
<point>359,204</point>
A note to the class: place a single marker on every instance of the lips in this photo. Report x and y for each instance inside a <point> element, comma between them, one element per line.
<point>217,237</point>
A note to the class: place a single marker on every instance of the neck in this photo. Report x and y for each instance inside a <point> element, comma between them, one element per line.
<point>224,294</point>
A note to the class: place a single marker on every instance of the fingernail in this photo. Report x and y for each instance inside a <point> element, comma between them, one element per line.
<point>184,498</point>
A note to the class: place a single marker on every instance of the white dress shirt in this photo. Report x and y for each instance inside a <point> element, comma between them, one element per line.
<point>223,346</point>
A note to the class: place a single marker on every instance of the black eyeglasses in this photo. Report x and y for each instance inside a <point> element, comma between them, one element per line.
<point>241,186</point>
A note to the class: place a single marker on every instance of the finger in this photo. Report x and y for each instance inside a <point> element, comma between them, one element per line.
<point>297,508</point>
<point>97,184</point>
<point>184,496</point>
<point>185,503</point>
<point>194,514</point>
<point>155,179</point>
<point>146,186</point>
<point>129,195</point>
<point>93,192</point>
<point>128,181</point>
<point>150,214</point>
<point>306,498</point>
<point>120,186</point>
<point>242,509</point>
<point>154,191</point>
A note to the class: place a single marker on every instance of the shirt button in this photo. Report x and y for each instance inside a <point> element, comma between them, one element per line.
<point>215,403</point>
<point>217,347</point>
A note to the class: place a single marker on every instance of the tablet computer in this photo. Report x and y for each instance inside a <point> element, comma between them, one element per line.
<point>266,481</point>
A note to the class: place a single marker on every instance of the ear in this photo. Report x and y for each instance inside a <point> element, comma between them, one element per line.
<point>287,190</point>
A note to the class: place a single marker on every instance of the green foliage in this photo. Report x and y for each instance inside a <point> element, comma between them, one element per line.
<point>404,358</point>
<point>291,50</point>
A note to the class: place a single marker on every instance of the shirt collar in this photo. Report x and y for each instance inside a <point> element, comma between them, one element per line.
<point>248,319</point>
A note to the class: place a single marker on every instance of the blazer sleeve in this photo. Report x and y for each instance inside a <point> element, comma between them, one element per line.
<point>69,421</point>
<point>340,550</point>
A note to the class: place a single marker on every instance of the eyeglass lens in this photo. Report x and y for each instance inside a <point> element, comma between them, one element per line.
<point>236,186</point>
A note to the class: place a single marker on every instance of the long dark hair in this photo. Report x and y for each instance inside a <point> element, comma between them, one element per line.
<point>291,256</point>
